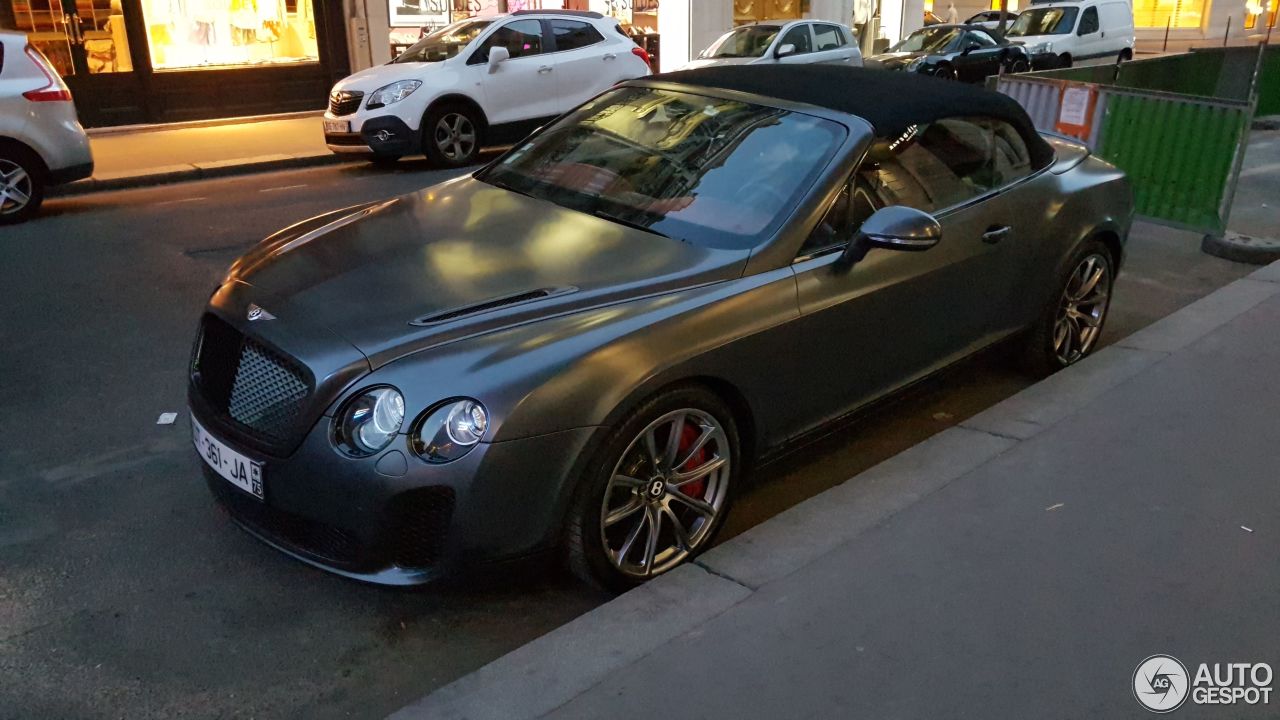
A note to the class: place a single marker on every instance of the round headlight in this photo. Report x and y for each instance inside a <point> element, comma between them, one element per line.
<point>450,430</point>
<point>370,422</point>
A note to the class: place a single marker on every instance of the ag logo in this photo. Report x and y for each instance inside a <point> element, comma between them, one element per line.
<point>1161,683</point>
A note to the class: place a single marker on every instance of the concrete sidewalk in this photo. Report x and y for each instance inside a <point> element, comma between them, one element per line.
<point>153,155</point>
<point>1020,565</point>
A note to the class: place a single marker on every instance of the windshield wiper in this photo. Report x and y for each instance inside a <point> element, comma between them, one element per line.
<point>507,186</point>
<point>629,223</point>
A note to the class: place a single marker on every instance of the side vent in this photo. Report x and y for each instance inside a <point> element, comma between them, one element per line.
<point>492,304</point>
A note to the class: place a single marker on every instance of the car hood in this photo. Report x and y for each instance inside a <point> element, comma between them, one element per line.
<point>711,62</point>
<point>371,79</point>
<point>1030,40</point>
<point>893,61</point>
<point>462,258</point>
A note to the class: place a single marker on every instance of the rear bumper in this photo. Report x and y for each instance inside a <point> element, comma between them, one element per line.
<point>62,176</point>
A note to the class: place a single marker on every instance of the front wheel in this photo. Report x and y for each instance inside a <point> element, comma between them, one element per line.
<point>657,492</point>
<point>1019,65</point>
<point>1070,325</point>
<point>945,72</point>
<point>21,185</point>
<point>451,136</point>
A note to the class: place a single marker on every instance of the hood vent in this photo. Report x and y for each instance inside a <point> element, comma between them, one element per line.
<point>492,304</point>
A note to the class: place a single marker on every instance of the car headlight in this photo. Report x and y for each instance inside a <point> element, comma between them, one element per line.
<point>1039,48</point>
<point>450,430</point>
<point>915,64</point>
<point>393,93</point>
<point>370,421</point>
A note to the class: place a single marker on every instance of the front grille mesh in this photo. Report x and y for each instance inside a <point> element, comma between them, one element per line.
<point>421,526</point>
<point>248,382</point>
<point>345,102</point>
<point>266,394</point>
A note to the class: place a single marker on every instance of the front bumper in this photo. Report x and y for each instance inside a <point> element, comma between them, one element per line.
<point>385,135</point>
<point>393,519</point>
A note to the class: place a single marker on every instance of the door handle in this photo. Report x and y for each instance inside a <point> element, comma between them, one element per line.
<point>610,56</point>
<point>544,69</point>
<point>996,233</point>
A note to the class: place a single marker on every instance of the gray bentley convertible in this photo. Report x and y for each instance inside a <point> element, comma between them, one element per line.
<point>583,347</point>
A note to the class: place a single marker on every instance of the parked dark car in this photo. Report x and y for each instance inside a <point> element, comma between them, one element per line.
<point>953,52</point>
<point>583,347</point>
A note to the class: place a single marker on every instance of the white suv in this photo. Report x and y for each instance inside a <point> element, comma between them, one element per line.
<point>485,81</point>
<point>41,141</point>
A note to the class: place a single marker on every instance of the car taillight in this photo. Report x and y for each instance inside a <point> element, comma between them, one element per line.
<point>56,90</point>
<point>642,54</point>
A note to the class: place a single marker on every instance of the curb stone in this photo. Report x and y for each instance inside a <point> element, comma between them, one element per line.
<point>540,677</point>
<point>1242,248</point>
<point>197,171</point>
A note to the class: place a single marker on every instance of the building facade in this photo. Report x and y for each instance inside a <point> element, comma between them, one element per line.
<point>156,61</point>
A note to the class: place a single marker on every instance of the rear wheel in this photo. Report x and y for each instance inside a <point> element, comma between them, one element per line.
<point>657,492</point>
<point>21,184</point>
<point>1019,65</point>
<point>451,135</point>
<point>1064,60</point>
<point>1125,55</point>
<point>1071,323</point>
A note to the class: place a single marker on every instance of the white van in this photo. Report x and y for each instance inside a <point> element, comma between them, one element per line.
<point>1075,31</point>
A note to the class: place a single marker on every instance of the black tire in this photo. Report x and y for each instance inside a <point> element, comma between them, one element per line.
<point>458,153</point>
<point>21,175</point>
<point>1125,55</point>
<point>946,72</point>
<point>1038,353</point>
<point>584,540</point>
<point>1019,65</point>
<point>384,160</point>
<point>1064,60</point>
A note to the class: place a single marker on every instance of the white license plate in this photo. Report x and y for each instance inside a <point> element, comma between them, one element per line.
<point>236,468</point>
<point>337,126</point>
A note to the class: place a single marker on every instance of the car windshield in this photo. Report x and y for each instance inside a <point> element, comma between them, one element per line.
<point>1044,21</point>
<point>709,171</point>
<point>444,43</point>
<point>745,42</point>
<point>928,40</point>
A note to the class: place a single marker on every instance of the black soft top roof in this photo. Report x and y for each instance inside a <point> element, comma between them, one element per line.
<point>890,101</point>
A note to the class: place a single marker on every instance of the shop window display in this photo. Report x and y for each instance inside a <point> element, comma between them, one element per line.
<point>221,33</point>
<point>1186,14</point>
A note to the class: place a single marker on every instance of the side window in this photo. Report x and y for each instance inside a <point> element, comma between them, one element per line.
<point>983,39</point>
<point>852,208</point>
<point>828,37</point>
<point>1012,160</point>
<point>1089,21</point>
<point>944,163</point>
<point>520,38</point>
<point>571,34</point>
<point>798,36</point>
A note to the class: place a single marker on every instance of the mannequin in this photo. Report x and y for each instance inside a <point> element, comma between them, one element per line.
<point>953,16</point>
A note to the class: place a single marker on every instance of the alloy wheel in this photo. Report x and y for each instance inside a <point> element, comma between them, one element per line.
<point>945,73</point>
<point>455,136</point>
<point>665,493</point>
<point>1082,309</point>
<point>15,187</point>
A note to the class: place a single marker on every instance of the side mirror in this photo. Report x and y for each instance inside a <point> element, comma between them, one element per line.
<point>497,56</point>
<point>784,51</point>
<point>894,228</point>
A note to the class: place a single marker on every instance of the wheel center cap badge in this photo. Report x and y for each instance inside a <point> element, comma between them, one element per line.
<point>657,488</point>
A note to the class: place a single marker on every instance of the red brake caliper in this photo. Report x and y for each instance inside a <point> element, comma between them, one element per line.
<point>688,436</point>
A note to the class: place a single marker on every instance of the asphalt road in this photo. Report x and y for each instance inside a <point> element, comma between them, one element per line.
<point>125,593</point>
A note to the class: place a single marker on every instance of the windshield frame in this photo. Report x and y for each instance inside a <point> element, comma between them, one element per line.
<point>852,134</point>
<point>1070,16</point>
<point>744,30</point>
<point>446,31</point>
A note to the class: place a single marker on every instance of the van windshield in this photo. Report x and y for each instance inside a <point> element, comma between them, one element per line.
<point>1044,21</point>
